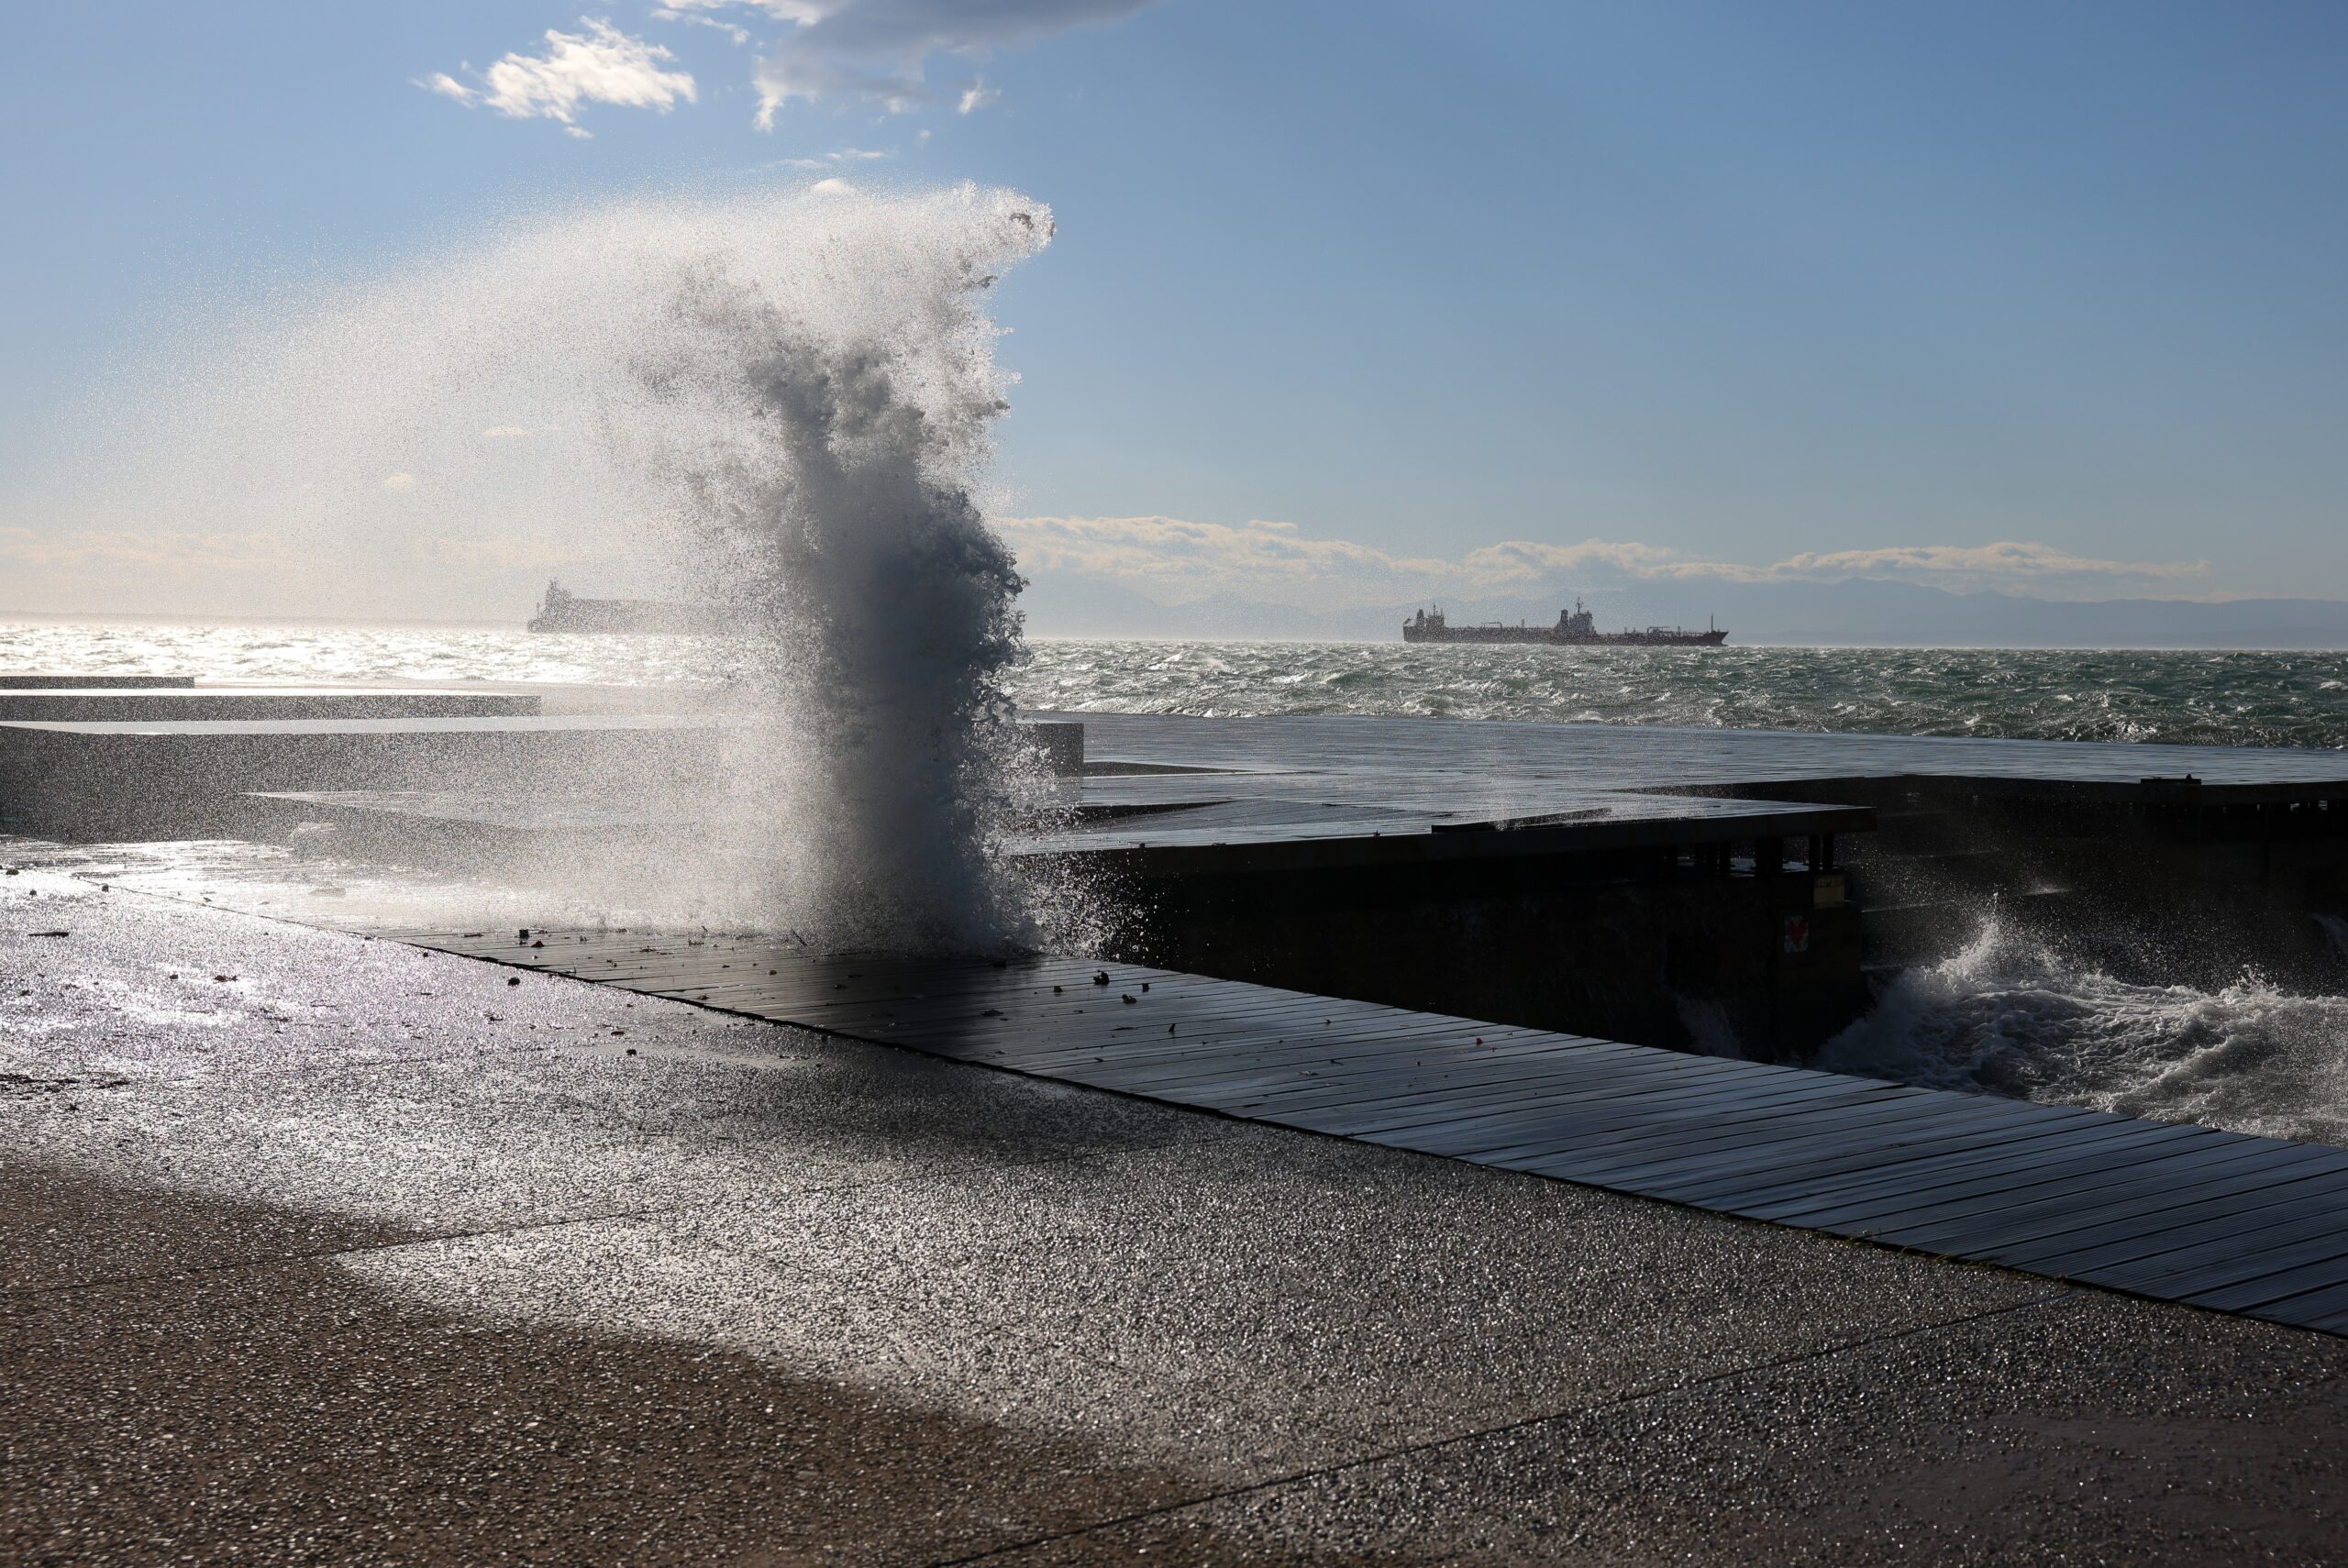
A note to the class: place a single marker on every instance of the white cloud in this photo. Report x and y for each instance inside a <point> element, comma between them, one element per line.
<point>978,95</point>
<point>601,65</point>
<point>1174,560</point>
<point>873,51</point>
<point>835,186</point>
<point>399,484</point>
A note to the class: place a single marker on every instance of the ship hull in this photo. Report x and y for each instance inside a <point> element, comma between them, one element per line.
<point>1553,638</point>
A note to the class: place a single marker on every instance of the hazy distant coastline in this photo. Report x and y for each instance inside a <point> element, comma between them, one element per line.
<point>1857,612</point>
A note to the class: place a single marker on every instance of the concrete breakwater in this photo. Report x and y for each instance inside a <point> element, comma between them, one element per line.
<point>1746,890</point>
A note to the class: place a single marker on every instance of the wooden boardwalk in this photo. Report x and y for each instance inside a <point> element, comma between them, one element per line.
<point>2176,1212</point>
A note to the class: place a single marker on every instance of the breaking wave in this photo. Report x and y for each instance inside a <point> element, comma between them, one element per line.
<point>2012,1015</point>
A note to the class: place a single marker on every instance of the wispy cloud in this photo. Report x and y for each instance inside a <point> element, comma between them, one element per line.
<point>122,547</point>
<point>845,155</point>
<point>601,65</point>
<point>1176,560</point>
<point>2007,561</point>
<point>876,52</point>
<point>734,30</point>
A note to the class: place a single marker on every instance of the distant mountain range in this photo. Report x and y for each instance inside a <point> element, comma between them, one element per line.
<point>1855,611</point>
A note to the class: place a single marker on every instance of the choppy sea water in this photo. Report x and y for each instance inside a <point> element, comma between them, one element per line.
<point>2191,698</point>
<point>2009,1015</point>
<point>2221,698</point>
<point>330,651</point>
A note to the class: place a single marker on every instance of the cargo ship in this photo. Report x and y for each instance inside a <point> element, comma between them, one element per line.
<point>1575,628</point>
<point>563,611</point>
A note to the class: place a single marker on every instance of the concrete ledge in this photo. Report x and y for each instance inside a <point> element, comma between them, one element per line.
<point>138,704</point>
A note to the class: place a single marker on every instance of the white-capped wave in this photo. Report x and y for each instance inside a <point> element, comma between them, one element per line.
<point>2012,1015</point>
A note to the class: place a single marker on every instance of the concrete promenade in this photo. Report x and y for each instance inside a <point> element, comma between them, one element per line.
<point>321,1249</point>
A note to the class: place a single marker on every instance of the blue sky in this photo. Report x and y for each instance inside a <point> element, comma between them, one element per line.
<point>2044,298</point>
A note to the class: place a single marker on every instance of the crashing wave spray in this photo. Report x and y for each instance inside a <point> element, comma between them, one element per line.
<point>840,525</point>
<point>2015,1016</point>
<point>781,399</point>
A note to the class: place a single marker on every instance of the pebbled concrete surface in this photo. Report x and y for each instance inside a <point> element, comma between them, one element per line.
<point>362,1254</point>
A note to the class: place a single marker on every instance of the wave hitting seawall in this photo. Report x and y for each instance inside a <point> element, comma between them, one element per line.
<point>779,402</point>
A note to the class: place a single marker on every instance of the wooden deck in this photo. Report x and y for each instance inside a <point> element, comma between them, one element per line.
<point>2176,1212</point>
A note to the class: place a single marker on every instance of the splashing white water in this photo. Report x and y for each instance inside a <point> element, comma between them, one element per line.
<point>780,401</point>
<point>2014,1017</point>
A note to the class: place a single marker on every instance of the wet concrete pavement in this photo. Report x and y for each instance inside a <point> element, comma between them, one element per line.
<point>319,1249</point>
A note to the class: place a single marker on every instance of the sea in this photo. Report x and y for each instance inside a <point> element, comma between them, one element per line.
<point>2008,1015</point>
<point>2186,697</point>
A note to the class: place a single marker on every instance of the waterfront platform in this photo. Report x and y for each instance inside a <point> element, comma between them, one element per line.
<point>318,1248</point>
<point>2175,1212</point>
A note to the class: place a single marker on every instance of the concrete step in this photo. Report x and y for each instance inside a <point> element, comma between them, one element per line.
<point>121,704</point>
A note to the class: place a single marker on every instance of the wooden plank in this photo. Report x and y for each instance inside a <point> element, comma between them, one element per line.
<point>1962,1139</point>
<point>2314,1264</point>
<point>1916,1196</point>
<point>1761,1158</point>
<point>1641,1142</point>
<point>2325,1310</point>
<point>1442,1089</point>
<point>2047,1159</point>
<point>1681,1149</point>
<point>1595,1105</point>
<point>2222,1210</point>
<point>2225,1256</point>
<point>2099,1193</point>
<point>1945,1139</point>
<point>1383,1079</point>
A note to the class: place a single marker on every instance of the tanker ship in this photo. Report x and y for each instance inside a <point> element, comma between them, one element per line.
<point>1575,628</point>
<point>563,611</point>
